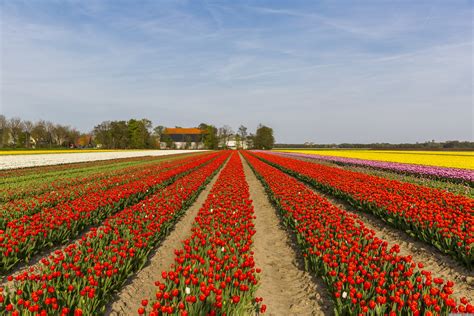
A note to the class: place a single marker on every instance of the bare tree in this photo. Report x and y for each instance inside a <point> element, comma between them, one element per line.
<point>4,132</point>
<point>27,128</point>
<point>60,134</point>
<point>158,131</point>
<point>39,133</point>
<point>16,127</point>
<point>242,135</point>
<point>72,136</point>
<point>49,127</point>
<point>224,134</point>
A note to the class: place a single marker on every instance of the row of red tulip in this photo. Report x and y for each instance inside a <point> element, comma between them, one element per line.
<point>362,274</point>
<point>214,273</point>
<point>77,188</point>
<point>21,187</point>
<point>52,226</point>
<point>81,278</point>
<point>435,216</point>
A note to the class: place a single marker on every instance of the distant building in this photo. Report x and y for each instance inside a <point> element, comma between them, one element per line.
<point>83,141</point>
<point>234,143</point>
<point>231,142</point>
<point>182,138</point>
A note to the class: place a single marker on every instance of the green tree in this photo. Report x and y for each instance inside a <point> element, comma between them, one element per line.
<point>119,134</point>
<point>139,133</point>
<point>264,137</point>
<point>103,134</point>
<point>168,141</point>
<point>148,125</point>
<point>158,131</point>
<point>210,139</point>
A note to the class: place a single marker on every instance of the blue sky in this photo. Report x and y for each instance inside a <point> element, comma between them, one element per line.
<point>322,71</point>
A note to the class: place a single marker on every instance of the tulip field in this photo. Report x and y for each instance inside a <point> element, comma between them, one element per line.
<point>75,237</point>
<point>451,166</point>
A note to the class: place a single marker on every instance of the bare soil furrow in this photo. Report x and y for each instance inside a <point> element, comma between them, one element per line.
<point>433,260</point>
<point>141,285</point>
<point>286,288</point>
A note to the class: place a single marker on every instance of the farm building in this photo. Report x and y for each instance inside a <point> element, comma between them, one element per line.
<point>182,138</point>
<point>234,142</point>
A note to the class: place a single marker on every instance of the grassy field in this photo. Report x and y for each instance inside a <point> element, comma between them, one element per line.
<point>451,159</point>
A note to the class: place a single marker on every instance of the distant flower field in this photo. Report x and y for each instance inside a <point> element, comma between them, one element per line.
<point>14,159</point>
<point>57,151</point>
<point>452,159</point>
<point>144,236</point>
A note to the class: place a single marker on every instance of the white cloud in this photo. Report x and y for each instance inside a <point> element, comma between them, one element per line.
<point>310,74</point>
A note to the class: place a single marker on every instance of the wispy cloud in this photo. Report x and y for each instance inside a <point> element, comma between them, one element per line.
<point>334,23</point>
<point>282,71</point>
<point>315,71</point>
<point>424,51</point>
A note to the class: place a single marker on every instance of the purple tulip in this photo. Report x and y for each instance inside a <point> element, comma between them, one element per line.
<point>464,175</point>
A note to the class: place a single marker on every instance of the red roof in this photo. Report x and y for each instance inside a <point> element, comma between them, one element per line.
<point>188,131</point>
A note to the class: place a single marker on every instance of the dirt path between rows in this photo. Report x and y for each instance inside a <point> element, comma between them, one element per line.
<point>286,288</point>
<point>439,264</point>
<point>142,284</point>
<point>433,260</point>
<point>33,262</point>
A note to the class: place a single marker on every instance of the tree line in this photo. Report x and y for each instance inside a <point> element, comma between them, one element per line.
<point>140,134</point>
<point>218,138</point>
<point>121,134</point>
<point>18,133</point>
<point>131,134</point>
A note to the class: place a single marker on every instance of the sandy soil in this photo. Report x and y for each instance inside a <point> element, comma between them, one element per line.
<point>286,288</point>
<point>439,264</point>
<point>141,285</point>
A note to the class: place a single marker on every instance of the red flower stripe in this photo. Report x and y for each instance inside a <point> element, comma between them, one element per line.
<point>77,188</point>
<point>81,278</point>
<point>438,217</point>
<point>29,234</point>
<point>214,273</point>
<point>361,273</point>
<point>41,181</point>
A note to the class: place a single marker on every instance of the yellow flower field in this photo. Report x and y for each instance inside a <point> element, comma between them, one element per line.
<point>451,159</point>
